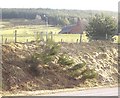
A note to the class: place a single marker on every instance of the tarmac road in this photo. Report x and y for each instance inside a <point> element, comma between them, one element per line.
<point>91,92</point>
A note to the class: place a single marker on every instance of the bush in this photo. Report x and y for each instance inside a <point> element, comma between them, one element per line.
<point>46,55</point>
<point>75,70</point>
<point>33,62</point>
<point>43,55</point>
<point>80,71</point>
<point>88,74</point>
<point>32,59</point>
<point>46,58</point>
<point>52,48</point>
<point>78,66</point>
<point>65,60</point>
<point>49,51</point>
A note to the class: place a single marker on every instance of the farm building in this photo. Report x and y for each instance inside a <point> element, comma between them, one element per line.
<point>77,28</point>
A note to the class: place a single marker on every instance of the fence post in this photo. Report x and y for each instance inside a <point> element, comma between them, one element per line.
<point>80,38</point>
<point>2,39</point>
<point>106,36</point>
<point>77,41</point>
<point>41,35</point>
<point>15,36</point>
<point>35,35</point>
<point>46,36</point>
<point>27,40</point>
<point>5,40</point>
<point>51,35</point>
<point>61,40</point>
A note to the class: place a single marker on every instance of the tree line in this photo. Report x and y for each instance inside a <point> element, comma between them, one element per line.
<point>53,16</point>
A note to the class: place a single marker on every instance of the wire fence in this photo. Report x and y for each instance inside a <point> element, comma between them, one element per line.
<point>23,38</point>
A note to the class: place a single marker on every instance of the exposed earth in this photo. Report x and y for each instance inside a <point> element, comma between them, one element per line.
<point>101,56</point>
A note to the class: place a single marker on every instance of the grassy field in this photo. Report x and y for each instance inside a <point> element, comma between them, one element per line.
<point>28,33</point>
<point>25,33</point>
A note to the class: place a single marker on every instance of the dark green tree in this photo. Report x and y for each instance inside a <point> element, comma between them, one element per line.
<point>101,27</point>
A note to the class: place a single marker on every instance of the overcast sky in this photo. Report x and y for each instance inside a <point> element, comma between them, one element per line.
<point>109,5</point>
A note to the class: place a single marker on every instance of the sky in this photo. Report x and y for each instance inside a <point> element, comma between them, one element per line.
<point>108,5</point>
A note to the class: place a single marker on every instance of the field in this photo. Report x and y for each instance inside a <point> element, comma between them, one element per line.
<point>32,32</point>
<point>117,39</point>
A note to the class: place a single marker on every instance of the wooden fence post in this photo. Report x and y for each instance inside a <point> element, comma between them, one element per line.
<point>41,35</point>
<point>46,36</point>
<point>15,36</point>
<point>61,40</point>
<point>35,35</point>
<point>5,40</point>
<point>51,35</point>
<point>2,39</point>
<point>77,41</point>
<point>80,38</point>
<point>106,36</point>
<point>27,40</point>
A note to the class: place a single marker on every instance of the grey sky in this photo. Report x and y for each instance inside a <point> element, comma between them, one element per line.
<point>110,5</point>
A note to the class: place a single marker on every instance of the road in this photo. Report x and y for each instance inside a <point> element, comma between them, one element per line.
<point>90,92</point>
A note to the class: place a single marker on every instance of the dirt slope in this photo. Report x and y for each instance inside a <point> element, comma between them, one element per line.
<point>102,56</point>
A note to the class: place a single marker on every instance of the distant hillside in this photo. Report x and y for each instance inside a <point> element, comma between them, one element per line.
<point>52,16</point>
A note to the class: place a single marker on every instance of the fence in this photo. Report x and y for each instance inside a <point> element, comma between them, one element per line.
<point>20,37</point>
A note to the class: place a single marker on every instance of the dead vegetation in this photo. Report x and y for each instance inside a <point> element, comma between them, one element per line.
<point>27,66</point>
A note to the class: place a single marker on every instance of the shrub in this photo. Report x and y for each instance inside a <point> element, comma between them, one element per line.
<point>43,55</point>
<point>80,71</point>
<point>75,70</point>
<point>78,66</point>
<point>46,58</point>
<point>88,74</point>
<point>74,74</point>
<point>32,59</point>
<point>52,48</point>
<point>33,62</point>
<point>46,55</point>
<point>49,51</point>
<point>65,60</point>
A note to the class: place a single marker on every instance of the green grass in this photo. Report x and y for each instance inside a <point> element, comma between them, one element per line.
<point>56,38</point>
<point>117,39</point>
<point>25,33</point>
<point>30,29</point>
<point>69,37</point>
